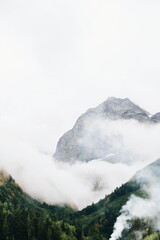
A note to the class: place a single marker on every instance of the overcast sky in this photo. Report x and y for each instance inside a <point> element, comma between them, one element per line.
<point>61,57</point>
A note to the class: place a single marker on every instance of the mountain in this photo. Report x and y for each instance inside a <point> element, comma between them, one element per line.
<point>85,141</point>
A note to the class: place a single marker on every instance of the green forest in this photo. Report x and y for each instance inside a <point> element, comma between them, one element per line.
<point>23,218</point>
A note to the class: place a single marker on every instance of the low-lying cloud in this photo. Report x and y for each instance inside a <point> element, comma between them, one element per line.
<point>126,141</point>
<point>81,183</point>
<point>55,182</point>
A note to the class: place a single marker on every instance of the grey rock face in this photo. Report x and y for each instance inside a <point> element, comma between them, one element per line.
<point>156,118</point>
<point>70,147</point>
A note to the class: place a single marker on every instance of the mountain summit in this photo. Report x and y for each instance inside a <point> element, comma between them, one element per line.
<point>116,108</point>
<point>72,147</point>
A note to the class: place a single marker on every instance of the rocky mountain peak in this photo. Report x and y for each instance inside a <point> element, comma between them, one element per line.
<point>71,145</point>
<point>115,108</point>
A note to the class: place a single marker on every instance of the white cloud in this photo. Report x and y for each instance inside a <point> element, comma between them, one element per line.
<point>81,183</point>
<point>136,207</point>
<point>58,183</point>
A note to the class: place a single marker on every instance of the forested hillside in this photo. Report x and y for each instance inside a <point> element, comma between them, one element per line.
<point>22,217</point>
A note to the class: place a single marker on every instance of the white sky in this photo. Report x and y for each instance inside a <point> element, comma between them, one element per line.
<point>61,57</point>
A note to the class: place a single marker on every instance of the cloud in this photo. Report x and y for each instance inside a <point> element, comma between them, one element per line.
<point>56,182</point>
<point>137,207</point>
<point>81,183</point>
<point>126,141</point>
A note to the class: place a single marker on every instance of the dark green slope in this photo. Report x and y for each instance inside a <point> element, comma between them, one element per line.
<point>23,218</point>
<point>97,220</point>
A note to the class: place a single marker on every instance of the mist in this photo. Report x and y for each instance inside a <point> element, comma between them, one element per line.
<point>80,183</point>
<point>55,182</point>
<point>126,141</point>
<point>136,207</point>
<point>146,209</point>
